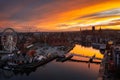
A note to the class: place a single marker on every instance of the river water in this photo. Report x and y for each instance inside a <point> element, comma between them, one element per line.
<point>60,71</point>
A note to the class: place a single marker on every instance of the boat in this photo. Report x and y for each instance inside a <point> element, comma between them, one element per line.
<point>65,58</point>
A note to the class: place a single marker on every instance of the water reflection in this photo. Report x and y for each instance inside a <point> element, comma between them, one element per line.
<point>86,51</point>
<point>7,74</point>
<point>69,70</point>
<point>58,71</point>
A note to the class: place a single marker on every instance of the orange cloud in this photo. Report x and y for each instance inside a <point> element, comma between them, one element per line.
<point>63,15</point>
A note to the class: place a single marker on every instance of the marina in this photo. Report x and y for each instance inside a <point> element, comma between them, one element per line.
<point>32,54</point>
<point>59,39</point>
<point>53,70</point>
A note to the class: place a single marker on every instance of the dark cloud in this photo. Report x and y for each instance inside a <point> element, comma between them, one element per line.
<point>113,23</point>
<point>107,13</point>
<point>63,25</point>
<point>20,9</point>
<point>25,10</point>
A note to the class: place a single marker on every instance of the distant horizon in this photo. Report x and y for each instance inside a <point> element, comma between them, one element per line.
<point>64,31</point>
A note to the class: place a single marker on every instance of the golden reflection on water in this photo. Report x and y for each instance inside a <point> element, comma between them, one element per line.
<point>86,51</point>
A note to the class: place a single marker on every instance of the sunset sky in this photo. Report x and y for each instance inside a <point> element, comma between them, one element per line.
<point>59,15</point>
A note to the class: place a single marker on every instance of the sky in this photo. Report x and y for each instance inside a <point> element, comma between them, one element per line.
<point>59,15</point>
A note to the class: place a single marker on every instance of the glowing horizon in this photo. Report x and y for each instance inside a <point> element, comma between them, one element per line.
<point>62,15</point>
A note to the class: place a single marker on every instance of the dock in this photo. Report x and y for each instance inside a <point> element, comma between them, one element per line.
<point>32,65</point>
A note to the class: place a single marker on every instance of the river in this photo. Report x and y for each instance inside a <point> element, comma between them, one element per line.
<point>60,71</point>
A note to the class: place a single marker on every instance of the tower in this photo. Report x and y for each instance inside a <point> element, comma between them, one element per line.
<point>93,28</point>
